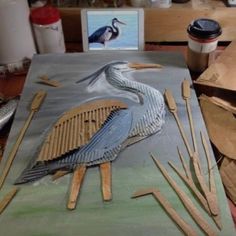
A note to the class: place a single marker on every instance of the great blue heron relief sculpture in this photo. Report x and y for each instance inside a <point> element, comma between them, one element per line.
<point>106,33</point>
<point>123,127</point>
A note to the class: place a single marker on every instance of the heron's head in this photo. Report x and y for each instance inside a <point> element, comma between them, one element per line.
<point>115,20</point>
<point>96,75</point>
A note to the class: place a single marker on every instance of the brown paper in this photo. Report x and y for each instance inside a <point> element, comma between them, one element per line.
<point>227,172</point>
<point>221,73</point>
<point>221,126</point>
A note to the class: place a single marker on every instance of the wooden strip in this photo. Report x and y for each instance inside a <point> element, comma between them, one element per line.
<point>186,169</point>
<point>75,132</point>
<point>62,144</point>
<point>173,109</point>
<point>217,218</point>
<point>82,128</point>
<point>76,183</point>
<point>193,211</point>
<point>45,149</point>
<point>191,185</point>
<point>7,199</point>
<point>184,226</point>
<point>45,80</point>
<point>90,125</point>
<point>55,142</point>
<point>186,94</point>
<point>35,105</point>
<point>60,135</point>
<point>68,135</point>
<point>72,132</point>
<point>94,130</point>
<point>208,195</point>
<point>105,170</point>
<point>183,135</point>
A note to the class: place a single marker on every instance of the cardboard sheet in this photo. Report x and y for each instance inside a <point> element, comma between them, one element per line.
<point>40,208</point>
<point>221,73</point>
<point>221,125</point>
<point>227,171</point>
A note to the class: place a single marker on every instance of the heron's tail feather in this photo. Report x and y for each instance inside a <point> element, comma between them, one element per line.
<point>36,172</point>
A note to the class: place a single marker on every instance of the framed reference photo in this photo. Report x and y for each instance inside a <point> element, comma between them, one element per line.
<point>112,29</point>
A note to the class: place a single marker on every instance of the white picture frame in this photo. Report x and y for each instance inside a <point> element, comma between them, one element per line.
<point>116,29</point>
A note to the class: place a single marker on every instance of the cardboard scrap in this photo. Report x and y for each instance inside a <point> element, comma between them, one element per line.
<point>221,125</point>
<point>220,119</point>
<point>227,172</point>
<point>227,105</point>
<point>221,73</point>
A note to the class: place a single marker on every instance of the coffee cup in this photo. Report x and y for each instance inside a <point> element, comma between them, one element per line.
<point>202,43</point>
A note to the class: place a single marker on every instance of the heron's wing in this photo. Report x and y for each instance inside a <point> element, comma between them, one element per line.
<point>76,127</point>
<point>72,130</point>
<point>106,143</point>
<point>99,34</point>
<point>104,146</point>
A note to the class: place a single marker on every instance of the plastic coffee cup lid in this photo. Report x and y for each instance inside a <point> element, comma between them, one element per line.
<point>44,15</point>
<point>204,29</point>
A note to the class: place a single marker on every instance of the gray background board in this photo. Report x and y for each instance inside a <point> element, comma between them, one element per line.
<point>40,207</point>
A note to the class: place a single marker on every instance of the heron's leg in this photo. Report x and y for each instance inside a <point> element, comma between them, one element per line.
<point>105,170</point>
<point>76,183</point>
<point>59,174</point>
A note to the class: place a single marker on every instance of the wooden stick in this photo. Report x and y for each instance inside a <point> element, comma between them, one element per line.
<point>209,196</point>
<point>184,226</point>
<point>7,199</point>
<point>173,109</point>
<point>45,80</point>
<point>212,183</point>
<point>193,211</point>
<point>189,182</point>
<point>76,183</point>
<point>186,169</point>
<point>35,105</point>
<point>193,155</point>
<point>105,169</point>
<point>186,96</point>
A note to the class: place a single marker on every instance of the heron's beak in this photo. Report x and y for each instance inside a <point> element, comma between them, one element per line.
<point>120,22</point>
<point>140,66</point>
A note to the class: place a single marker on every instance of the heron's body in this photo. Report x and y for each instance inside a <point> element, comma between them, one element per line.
<point>106,33</point>
<point>123,127</point>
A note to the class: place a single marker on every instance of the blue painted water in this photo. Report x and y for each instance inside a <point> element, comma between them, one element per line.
<point>129,32</point>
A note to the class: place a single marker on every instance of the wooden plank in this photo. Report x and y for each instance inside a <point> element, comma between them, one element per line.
<point>163,25</point>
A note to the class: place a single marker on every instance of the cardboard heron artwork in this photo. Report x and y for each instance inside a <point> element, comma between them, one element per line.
<point>119,129</point>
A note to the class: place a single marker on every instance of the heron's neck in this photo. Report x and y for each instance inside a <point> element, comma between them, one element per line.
<point>116,29</point>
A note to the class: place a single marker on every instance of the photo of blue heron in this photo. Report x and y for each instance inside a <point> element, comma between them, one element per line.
<point>112,30</point>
